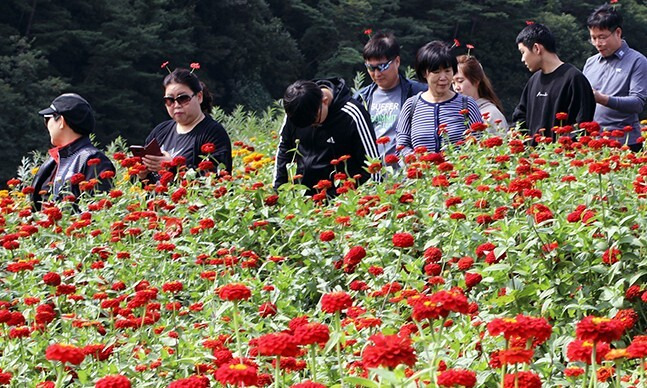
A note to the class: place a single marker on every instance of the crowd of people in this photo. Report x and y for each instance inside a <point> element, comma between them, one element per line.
<point>326,125</point>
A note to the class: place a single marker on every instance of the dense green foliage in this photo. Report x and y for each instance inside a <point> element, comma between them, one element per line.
<point>110,50</point>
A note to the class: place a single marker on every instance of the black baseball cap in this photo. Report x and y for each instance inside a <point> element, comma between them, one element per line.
<point>75,109</point>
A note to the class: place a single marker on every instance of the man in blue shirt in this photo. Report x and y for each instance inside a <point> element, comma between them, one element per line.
<point>383,98</point>
<point>618,76</point>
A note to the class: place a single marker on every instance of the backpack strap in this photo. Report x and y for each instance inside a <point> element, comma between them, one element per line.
<point>413,107</point>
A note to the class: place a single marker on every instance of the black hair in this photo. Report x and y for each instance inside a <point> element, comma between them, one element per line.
<point>605,17</point>
<point>185,77</point>
<point>537,33</point>
<point>302,101</point>
<point>432,56</point>
<point>381,45</point>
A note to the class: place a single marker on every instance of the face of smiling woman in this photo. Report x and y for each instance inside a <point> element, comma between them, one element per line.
<point>439,83</point>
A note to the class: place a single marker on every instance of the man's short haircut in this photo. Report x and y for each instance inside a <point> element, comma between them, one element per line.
<point>605,17</point>
<point>432,56</point>
<point>537,33</point>
<point>381,45</point>
<point>302,101</point>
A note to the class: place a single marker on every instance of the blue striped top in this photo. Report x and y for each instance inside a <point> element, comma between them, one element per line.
<point>422,128</point>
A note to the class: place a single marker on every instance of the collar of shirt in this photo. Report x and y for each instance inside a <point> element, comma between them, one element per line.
<point>619,54</point>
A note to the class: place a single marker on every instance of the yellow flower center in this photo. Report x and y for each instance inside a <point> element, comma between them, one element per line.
<point>238,366</point>
<point>599,320</point>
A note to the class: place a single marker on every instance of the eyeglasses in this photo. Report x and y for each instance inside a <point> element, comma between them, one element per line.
<point>380,66</point>
<point>601,37</point>
<point>47,117</point>
<point>182,99</point>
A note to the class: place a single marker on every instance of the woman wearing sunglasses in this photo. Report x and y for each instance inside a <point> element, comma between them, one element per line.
<point>188,103</point>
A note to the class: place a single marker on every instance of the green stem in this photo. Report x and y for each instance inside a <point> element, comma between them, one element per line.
<point>593,382</point>
<point>313,361</point>
<point>338,348</point>
<point>386,297</point>
<point>60,374</point>
<point>504,366</point>
<point>436,339</point>
<point>618,373</point>
<point>277,372</point>
<point>177,340</point>
<point>236,331</point>
<point>604,217</point>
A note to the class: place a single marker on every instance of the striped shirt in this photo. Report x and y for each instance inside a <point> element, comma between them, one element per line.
<point>421,129</point>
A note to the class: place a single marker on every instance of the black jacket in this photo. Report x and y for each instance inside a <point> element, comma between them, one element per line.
<point>52,181</point>
<point>409,88</point>
<point>347,130</point>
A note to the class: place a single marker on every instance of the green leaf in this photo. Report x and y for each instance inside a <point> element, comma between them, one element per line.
<point>353,380</point>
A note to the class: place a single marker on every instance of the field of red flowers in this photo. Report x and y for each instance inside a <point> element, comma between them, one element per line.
<point>490,265</point>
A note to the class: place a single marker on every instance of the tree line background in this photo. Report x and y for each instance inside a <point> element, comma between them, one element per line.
<point>110,51</point>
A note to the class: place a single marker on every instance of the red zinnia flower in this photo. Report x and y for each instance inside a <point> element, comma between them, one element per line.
<point>114,381</point>
<point>327,235</point>
<point>637,349</point>
<point>277,344</point>
<point>403,240</point>
<point>599,329</point>
<point>267,309</point>
<point>579,350</point>
<point>388,351</point>
<point>172,287</point>
<point>561,116</point>
<point>52,279</point>
<point>453,377</point>
<point>308,384</point>
<point>5,377</point>
<point>573,372</point>
<point>234,291</point>
<point>335,301</point>
<point>521,326</point>
<point>354,257</point>
<point>472,279</point>
<point>190,382</point>
<point>312,333</point>
<point>208,148</point>
<point>65,353</point>
<point>516,356</point>
<point>522,379</point>
<point>237,372</point>
<point>611,256</point>
<point>628,318</point>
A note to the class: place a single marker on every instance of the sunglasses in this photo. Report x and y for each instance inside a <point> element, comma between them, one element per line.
<point>380,66</point>
<point>182,99</point>
<point>47,117</point>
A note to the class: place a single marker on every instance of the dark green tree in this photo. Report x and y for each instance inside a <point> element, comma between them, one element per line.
<point>26,87</point>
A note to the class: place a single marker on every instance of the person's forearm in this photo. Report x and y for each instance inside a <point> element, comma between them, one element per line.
<point>625,104</point>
